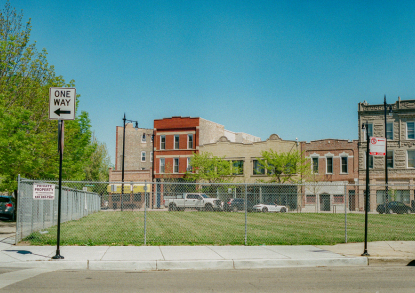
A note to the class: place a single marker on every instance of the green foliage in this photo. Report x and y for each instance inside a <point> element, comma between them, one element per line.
<point>28,139</point>
<point>209,168</point>
<point>284,167</point>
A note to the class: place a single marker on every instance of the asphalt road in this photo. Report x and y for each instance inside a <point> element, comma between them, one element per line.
<point>338,279</point>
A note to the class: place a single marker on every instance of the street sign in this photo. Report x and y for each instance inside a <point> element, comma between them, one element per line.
<point>377,146</point>
<point>62,102</point>
<point>44,191</point>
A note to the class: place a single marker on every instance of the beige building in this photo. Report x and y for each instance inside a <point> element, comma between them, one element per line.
<point>248,153</point>
<point>400,135</point>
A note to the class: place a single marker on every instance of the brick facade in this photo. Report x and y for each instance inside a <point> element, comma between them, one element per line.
<point>400,146</point>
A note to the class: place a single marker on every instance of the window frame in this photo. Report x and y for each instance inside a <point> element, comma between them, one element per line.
<point>369,125</point>
<point>162,165</point>
<point>314,167</point>
<point>327,165</point>
<point>341,164</point>
<point>393,159</point>
<point>145,156</point>
<point>162,142</point>
<point>176,142</point>
<point>144,138</point>
<point>412,131</point>
<point>256,168</point>
<point>176,166</point>
<point>389,137</point>
<point>407,159</point>
<point>190,141</point>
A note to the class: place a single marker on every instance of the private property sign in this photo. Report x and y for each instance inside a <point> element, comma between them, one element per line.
<point>44,191</point>
<point>377,146</point>
<point>62,102</point>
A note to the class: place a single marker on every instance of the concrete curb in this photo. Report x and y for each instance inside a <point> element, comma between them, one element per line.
<point>401,261</point>
<point>186,265</point>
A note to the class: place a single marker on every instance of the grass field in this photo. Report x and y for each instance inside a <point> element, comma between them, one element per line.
<point>215,228</point>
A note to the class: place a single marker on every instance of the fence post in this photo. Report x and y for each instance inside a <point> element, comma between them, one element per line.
<point>145,213</point>
<point>18,228</point>
<point>345,213</point>
<point>246,212</point>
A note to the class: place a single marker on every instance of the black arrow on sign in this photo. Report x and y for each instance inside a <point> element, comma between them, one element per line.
<point>59,112</point>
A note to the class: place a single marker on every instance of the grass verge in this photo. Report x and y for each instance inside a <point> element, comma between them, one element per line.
<point>217,228</point>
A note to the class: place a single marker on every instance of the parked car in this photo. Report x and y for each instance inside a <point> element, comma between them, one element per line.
<point>394,207</point>
<point>7,207</point>
<point>198,201</point>
<point>269,208</point>
<point>237,204</point>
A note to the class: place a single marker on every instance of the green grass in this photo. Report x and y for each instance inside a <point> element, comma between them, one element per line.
<point>215,228</point>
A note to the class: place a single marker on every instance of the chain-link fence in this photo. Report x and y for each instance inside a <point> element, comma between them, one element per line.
<point>182,213</point>
<point>39,214</point>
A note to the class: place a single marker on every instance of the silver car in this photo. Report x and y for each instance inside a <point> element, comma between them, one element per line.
<point>7,207</point>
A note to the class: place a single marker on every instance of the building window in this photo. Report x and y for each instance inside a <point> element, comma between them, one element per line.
<point>189,166</point>
<point>258,169</point>
<point>389,130</point>
<point>238,167</point>
<point>311,198</point>
<point>370,161</point>
<point>176,142</point>
<point>315,165</point>
<point>344,161</point>
<point>162,165</point>
<point>410,130</point>
<point>143,138</point>
<point>329,165</point>
<point>370,130</point>
<point>151,156</point>
<point>411,158</point>
<point>162,142</point>
<point>402,196</point>
<point>338,198</point>
<point>143,156</point>
<point>176,165</point>
<point>190,141</point>
<point>389,159</point>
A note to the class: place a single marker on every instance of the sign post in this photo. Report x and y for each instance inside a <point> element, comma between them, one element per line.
<point>62,103</point>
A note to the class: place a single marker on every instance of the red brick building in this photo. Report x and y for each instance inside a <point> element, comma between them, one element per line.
<point>176,139</point>
<point>335,162</point>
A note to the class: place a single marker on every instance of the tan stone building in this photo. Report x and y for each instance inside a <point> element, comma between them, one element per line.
<point>400,135</point>
<point>248,153</point>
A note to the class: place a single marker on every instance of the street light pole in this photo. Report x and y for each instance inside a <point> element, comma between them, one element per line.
<point>123,156</point>
<point>366,126</point>
<point>385,105</point>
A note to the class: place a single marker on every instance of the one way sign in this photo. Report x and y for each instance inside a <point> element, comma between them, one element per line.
<point>62,102</point>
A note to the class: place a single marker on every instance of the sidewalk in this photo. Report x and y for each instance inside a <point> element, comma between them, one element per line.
<point>146,258</point>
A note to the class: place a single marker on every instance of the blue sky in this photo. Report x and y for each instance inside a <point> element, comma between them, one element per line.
<point>294,68</point>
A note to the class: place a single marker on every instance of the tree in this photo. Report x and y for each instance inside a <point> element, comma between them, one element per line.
<point>284,167</point>
<point>211,169</point>
<point>97,168</point>
<point>28,139</point>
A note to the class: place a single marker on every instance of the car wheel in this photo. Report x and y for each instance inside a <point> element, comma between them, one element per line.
<point>209,208</point>
<point>172,207</point>
<point>283,210</point>
<point>235,209</point>
<point>408,211</point>
<point>390,211</point>
<point>264,209</point>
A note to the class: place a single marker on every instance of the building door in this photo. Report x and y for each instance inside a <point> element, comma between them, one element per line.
<point>352,200</point>
<point>324,202</point>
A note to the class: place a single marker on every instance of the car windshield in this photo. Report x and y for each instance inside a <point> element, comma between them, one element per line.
<point>204,195</point>
<point>4,199</point>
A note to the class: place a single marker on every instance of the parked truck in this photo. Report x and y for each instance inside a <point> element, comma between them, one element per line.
<point>198,201</point>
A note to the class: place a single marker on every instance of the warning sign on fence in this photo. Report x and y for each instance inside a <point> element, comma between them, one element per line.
<point>44,191</point>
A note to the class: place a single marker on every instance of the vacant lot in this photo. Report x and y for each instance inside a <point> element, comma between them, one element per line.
<point>216,228</point>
